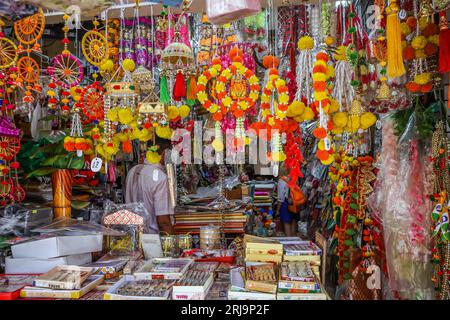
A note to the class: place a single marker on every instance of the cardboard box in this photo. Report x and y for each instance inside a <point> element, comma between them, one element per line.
<point>242,295</point>
<point>112,294</point>
<point>58,246</point>
<point>64,277</point>
<point>35,266</point>
<point>192,292</point>
<point>146,272</point>
<point>261,286</point>
<point>34,292</point>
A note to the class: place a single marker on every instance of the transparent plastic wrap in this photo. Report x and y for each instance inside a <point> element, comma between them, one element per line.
<point>404,207</point>
<point>129,214</point>
<point>224,11</point>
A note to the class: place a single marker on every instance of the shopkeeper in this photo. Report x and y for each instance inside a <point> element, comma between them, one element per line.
<point>149,184</point>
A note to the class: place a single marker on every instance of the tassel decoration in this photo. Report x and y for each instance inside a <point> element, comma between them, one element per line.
<point>395,67</point>
<point>444,44</point>
<point>164,95</point>
<point>192,90</point>
<point>179,88</point>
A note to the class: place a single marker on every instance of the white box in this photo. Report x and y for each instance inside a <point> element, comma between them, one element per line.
<point>301,296</point>
<point>146,272</point>
<point>58,246</point>
<point>241,295</point>
<point>192,292</point>
<point>34,292</point>
<point>37,266</point>
<point>111,294</point>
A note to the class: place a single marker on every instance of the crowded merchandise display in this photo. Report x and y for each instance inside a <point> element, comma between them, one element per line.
<point>224,150</point>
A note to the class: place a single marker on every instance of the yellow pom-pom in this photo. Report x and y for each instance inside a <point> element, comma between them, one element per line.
<point>217,144</point>
<point>319,76</point>
<point>368,119</point>
<point>404,28</point>
<point>172,112</point>
<point>340,53</point>
<point>299,119</point>
<point>320,95</point>
<point>330,71</point>
<point>308,114</point>
<point>153,157</point>
<point>434,39</point>
<point>184,111</point>
<point>334,105</point>
<point>419,42</point>
<point>69,139</point>
<point>420,54</point>
<point>164,132</point>
<point>329,41</point>
<point>340,119</point>
<point>296,108</point>
<point>107,65</point>
<point>337,130</point>
<point>305,43</point>
<point>128,65</point>
<point>125,115</point>
<point>423,78</point>
<point>113,115</point>
<point>353,123</point>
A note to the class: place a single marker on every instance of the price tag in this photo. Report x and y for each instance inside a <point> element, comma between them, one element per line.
<point>402,14</point>
<point>327,143</point>
<point>96,164</point>
<point>155,175</point>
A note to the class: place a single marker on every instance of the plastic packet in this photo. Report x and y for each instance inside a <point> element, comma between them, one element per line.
<point>131,214</point>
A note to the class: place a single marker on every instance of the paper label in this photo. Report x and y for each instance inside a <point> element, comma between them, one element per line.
<point>96,164</point>
<point>155,175</point>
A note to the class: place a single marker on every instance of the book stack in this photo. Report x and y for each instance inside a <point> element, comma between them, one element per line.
<point>299,282</point>
<point>190,222</point>
<point>63,282</point>
<point>262,194</point>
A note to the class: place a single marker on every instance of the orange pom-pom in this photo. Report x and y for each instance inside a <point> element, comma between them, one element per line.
<point>430,49</point>
<point>322,155</point>
<point>319,133</point>
<point>238,59</point>
<point>273,71</point>
<point>426,87</point>
<point>320,86</point>
<point>322,56</point>
<point>411,22</point>
<point>127,146</point>
<point>412,87</point>
<point>238,113</point>
<point>270,62</point>
<point>319,69</point>
<point>408,53</point>
<point>235,52</point>
<point>216,61</point>
<point>217,116</point>
<point>330,125</point>
<point>430,30</point>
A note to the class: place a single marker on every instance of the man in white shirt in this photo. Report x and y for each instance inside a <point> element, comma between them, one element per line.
<point>148,183</point>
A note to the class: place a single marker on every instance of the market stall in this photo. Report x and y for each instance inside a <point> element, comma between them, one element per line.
<point>224,150</point>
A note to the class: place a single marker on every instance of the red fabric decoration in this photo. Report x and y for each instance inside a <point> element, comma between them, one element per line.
<point>444,44</point>
<point>179,88</point>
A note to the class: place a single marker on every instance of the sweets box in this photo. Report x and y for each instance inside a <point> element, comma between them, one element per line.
<point>163,268</point>
<point>64,277</point>
<point>89,284</point>
<point>112,293</point>
<point>38,266</point>
<point>186,292</point>
<point>262,246</point>
<point>58,246</point>
<point>296,248</point>
<point>238,291</point>
<point>261,286</point>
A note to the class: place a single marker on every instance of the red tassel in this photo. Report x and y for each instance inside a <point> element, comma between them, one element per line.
<point>444,44</point>
<point>179,88</point>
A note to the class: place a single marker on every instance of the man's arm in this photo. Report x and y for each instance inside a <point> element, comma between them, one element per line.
<point>165,224</point>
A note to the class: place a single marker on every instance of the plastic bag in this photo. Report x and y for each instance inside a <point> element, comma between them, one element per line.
<point>129,214</point>
<point>404,209</point>
<point>224,11</point>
